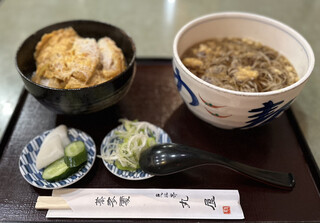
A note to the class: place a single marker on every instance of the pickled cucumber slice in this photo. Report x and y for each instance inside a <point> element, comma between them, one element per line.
<point>75,154</point>
<point>58,170</point>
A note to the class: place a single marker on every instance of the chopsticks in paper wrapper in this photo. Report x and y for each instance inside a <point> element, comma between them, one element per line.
<point>142,203</point>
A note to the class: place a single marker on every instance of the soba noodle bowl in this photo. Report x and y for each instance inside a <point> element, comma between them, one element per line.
<point>239,64</point>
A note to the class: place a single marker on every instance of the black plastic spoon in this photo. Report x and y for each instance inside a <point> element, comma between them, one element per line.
<point>169,158</point>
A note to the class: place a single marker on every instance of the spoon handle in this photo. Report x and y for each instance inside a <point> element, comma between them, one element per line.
<point>277,179</point>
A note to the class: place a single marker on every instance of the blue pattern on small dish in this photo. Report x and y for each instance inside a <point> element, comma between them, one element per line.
<point>27,161</point>
<point>124,174</point>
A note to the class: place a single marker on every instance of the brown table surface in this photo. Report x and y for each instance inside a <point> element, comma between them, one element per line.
<point>153,97</point>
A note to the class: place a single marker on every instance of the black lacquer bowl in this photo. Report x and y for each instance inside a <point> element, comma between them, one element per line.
<point>83,100</point>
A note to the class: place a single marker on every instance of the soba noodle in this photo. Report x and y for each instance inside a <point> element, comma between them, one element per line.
<point>239,64</point>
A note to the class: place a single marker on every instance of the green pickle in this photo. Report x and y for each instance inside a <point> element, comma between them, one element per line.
<point>58,170</point>
<point>75,154</point>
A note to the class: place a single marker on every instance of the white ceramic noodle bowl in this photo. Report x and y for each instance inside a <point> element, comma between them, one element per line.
<point>233,109</point>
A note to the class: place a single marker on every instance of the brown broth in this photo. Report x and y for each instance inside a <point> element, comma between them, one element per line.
<point>239,64</point>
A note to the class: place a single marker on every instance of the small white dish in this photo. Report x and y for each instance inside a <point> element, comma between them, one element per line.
<point>27,161</point>
<point>124,174</point>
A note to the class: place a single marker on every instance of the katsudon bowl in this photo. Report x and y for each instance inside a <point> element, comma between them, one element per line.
<point>231,109</point>
<point>81,100</point>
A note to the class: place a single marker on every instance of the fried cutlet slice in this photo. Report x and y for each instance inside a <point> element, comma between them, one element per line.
<point>97,78</point>
<point>52,82</point>
<point>51,52</point>
<point>111,58</point>
<point>74,83</point>
<point>62,54</point>
<point>66,60</point>
<point>84,59</point>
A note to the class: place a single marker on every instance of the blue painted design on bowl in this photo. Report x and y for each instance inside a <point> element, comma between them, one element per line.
<point>266,114</point>
<point>180,84</point>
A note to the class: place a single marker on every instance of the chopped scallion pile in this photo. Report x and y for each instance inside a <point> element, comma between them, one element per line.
<point>125,147</point>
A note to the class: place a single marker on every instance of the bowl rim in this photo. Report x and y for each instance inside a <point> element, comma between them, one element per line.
<point>131,63</point>
<point>302,41</point>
